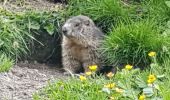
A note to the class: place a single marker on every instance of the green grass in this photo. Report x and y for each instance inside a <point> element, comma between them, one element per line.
<point>133,83</point>
<point>130,43</point>
<point>156,9</point>
<point>5,63</point>
<point>74,89</point>
<point>17,30</point>
<point>105,13</point>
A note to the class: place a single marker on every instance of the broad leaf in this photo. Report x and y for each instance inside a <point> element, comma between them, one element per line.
<point>148,91</point>
<point>106,90</point>
<point>34,25</point>
<point>50,28</point>
<point>140,83</point>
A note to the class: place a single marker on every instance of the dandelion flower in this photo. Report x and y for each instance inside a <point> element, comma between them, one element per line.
<point>118,90</point>
<point>88,73</point>
<point>82,78</point>
<point>110,86</point>
<point>151,79</point>
<point>142,97</point>
<point>151,54</point>
<point>110,75</point>
<point>93,67</point>
<point>128,67</point>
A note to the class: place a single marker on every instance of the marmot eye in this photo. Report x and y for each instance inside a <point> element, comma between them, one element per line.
<point>77,24</point>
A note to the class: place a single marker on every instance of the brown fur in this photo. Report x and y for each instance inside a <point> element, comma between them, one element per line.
<point>81,39</point>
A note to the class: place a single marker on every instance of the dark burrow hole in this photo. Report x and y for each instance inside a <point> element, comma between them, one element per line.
<point>45,49</point>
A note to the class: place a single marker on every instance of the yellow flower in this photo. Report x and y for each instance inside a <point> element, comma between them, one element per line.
<point>128,67</point>
<point>151,54</point>
<point>119,90</point>
<point>82,78</point>
<point>93,67</point>
<point>112,98</point>
<point>151,79</point>
<point>110,75</point>
<point>142,97</point>
<point>110,86</point>
<point>88,73</point>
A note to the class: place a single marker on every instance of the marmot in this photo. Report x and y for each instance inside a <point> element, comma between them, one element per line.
<point>81,39</point>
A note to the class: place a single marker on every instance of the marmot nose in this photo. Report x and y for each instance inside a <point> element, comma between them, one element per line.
<point>64,30</point>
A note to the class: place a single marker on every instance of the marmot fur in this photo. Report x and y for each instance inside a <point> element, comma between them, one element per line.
<point>81,39</point>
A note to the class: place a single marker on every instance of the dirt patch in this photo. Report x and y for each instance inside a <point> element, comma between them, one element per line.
<point>25,78</point>
<point>22,5</point>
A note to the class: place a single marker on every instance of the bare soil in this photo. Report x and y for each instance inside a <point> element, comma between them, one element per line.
<point>26,78</point>
<point>22,5</point>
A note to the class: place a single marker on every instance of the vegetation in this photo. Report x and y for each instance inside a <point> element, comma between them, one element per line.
<point>126,84</point>
<point>104,12</point>
<point>17,30</point>
<point>5,63</point>
<point>138,35</point>
<point>130,43</point>
<point>151,10</point>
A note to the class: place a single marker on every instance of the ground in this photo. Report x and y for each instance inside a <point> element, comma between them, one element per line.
<point>22,5</point>
<point>26,78</point>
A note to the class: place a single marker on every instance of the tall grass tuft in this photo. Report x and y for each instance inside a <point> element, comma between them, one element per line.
<point>12,35</point>
<point>104,12</point>
<point>130,44</point>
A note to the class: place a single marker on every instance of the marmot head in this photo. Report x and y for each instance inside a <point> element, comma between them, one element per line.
<point>78,27</point>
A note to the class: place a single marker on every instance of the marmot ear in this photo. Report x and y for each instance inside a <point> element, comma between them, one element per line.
<point>87,22</point>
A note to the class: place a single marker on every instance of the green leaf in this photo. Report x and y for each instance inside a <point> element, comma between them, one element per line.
<point>161,76</point>
<point>131,94</point>
<point>106,90</point>
<point>34,25</point>
<point>167,3</point>
<point>140,83</point>
<point>1,42</point>
<point>50,29</point>
<point>148,91</point>
<point>123,86</point>
<point>157,98</point>
<point>135,71</point>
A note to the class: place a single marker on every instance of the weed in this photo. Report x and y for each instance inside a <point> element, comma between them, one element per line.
<point>5,63</point>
